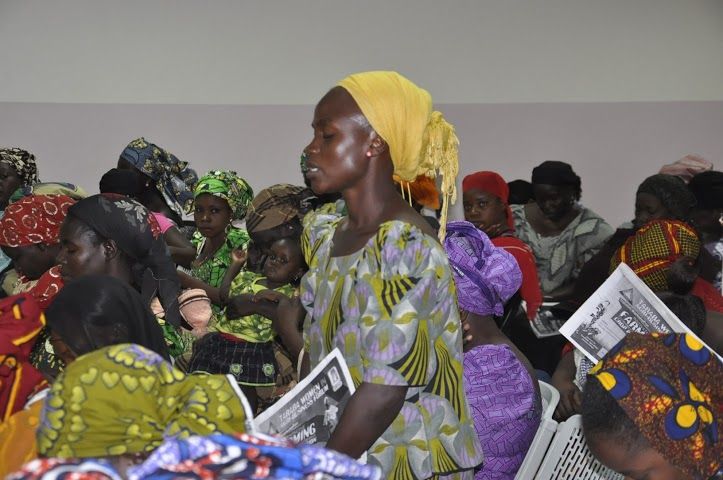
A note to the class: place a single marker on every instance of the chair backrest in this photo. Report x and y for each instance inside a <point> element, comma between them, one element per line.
<point>568,456</point>
<point>550,399</point>
<point>543,436</point>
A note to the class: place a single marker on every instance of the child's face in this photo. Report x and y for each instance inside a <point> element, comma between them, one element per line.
<point>211,214</point>
<point>285,262</point>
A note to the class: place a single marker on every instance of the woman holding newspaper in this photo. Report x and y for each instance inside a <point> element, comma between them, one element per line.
<point>379,287</point>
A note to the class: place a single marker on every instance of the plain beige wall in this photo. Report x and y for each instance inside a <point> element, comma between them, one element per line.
<point>615,87</point>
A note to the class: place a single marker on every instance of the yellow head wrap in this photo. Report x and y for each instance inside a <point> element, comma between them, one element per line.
<point>420,140</point>
<point>126,399</point>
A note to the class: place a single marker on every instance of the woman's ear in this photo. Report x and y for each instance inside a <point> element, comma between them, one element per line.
<point>110,250</point>
<point>378,146</point>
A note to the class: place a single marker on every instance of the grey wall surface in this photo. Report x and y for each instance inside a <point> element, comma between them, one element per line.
<point>613,146</point>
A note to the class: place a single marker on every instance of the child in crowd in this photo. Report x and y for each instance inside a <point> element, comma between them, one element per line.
<point>242,343</point>
<point>221,201</point>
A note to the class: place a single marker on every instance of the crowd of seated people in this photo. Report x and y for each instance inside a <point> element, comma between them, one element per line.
<point>138,343</point>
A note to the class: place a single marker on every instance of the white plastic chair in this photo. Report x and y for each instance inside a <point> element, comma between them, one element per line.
<point>569,458</point>
<point>543,437</point>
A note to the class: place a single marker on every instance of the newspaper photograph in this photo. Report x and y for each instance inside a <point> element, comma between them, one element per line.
<point>623,304</point>
<point>310,411</point>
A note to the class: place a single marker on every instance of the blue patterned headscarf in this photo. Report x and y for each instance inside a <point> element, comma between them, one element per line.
<point>172,177</point>
<point>486,276</point>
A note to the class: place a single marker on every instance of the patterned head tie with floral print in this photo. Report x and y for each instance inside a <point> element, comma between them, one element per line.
<point>23,162</point>
<point>172,177</point>
<point>670,387</point>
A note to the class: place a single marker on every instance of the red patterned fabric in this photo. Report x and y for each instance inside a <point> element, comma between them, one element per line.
<point>20,323</point>
<point>34,219</point>
<point>47,287</point>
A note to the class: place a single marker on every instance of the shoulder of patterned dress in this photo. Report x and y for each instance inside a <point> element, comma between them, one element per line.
<point>319,228</point>
<point>400,248</point>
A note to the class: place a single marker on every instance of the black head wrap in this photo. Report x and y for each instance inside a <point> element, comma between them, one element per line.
<point>96,311</point>
<point>122,182</point>
<point>553,172</point>
<point>708,189</point>
<point>138,235</point>
<point>672,193</point>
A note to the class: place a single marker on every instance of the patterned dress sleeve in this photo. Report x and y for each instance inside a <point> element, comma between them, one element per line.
<point>407,306</point>
<point>590,234</point>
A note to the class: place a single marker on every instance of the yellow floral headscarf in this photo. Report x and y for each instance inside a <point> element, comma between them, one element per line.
<point>421,141</point>
<point>126,399</point>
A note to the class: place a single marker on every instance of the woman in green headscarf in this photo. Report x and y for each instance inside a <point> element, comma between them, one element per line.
<point>122,401</point>
<point>221,200</point>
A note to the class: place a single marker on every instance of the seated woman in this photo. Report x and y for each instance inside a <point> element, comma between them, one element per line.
<point>29,235</point>
<point>562,233</point>
<point>662,254</point>
<point>120,402</point>
<point>165,183</point>
<point>89,313</point>
<point>113,235</point>
<point>499,382</point>
<point>651,409</point>
<point>659,197</point>
<point>486,206</point>
<point>125,182</point>
<point>17,170</point>
<point>379,286</point>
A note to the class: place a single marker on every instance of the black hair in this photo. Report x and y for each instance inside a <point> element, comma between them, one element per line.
<point>672,192</point>
<point>604,418</point>
<point>122,182</point>
<point>558,174</point>
<point>520,192</point>
<point>95,311</point>
<point>688,308</point>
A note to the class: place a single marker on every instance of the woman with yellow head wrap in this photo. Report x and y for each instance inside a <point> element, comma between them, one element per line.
<point>379,285</point>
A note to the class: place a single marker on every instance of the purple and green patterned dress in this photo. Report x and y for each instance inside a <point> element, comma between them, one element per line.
<point>391,309</point>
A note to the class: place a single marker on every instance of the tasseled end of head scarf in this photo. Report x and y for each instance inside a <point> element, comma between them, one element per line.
<point>439,155</point>
<point>421,141</point>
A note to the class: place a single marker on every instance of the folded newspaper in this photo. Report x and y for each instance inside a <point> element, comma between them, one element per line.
<point>310,411</point>
<point>623,304</point>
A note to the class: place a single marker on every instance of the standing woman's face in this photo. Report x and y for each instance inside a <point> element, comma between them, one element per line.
<point>80,251</point>
<point>554,201</point>
<point>336,156</point>
<point>9,182</point>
